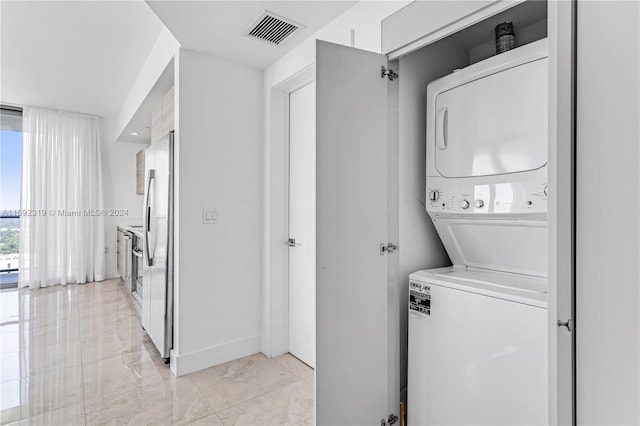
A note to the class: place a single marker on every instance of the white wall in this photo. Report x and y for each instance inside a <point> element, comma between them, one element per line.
<point>119,158</point>
<point>365,20</point>
<point>218,165</point>
<point>119,175</point>
<point>163,50</point>
<point>420,246</point>
<point>608,223</point>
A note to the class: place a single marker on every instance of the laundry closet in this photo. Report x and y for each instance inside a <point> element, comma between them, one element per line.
<point>373,229</point>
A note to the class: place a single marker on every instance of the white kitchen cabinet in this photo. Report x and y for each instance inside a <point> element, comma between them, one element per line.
<point>421,19</point>
<point>371,192</point>
<point>120,252</point>
<point>123,253</point>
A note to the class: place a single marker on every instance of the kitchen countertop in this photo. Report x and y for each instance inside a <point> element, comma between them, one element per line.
<point>136,229</point>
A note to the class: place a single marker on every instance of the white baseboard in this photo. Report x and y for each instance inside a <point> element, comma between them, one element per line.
<point>112,275</point>
<point>182,364</point>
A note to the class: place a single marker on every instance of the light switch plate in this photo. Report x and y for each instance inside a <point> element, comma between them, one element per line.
<point>209,216</point>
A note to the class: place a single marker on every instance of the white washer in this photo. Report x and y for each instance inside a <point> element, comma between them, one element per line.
<point>478,330</point>
<point>478,348</point>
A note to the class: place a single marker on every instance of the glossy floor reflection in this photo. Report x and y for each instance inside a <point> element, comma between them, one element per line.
<point>77,355</point>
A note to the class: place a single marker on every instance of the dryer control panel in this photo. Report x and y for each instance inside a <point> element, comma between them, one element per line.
<point>492,196</point>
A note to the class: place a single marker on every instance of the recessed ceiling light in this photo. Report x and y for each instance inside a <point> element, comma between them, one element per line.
<point>135,134</point>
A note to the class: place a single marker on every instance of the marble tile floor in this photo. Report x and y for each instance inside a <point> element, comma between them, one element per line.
<point>77,354</point>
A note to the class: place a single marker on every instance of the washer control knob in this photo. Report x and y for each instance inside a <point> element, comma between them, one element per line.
<point>464,204</point>
<point>434,195</point>
<point>479,204</point>
<point>546,190</point>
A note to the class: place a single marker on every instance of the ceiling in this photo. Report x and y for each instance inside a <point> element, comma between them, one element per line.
<point>79,56</point>
<point>138,129</point>
<point>84,56</point>
<point>218,27</point>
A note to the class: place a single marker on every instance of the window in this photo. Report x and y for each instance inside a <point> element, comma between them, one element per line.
<point>10,177</point>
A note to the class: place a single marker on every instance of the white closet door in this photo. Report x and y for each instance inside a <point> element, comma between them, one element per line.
<point>607,231</point>
<point>302,224</point>
<point>352,382</point>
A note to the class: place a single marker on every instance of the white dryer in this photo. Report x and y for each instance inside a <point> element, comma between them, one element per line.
<point>486,174</point>
<point>478,329</point>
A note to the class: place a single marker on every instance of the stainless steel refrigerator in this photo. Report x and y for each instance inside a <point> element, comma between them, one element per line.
<point>157,295</point>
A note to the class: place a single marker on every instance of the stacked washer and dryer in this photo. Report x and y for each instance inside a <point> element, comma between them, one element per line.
<point>478,329</point>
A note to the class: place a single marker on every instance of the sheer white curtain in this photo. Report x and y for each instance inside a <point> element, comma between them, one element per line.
<point>62,228</point>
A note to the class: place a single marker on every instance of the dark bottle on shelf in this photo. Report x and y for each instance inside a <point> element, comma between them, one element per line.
<point>505,37</point>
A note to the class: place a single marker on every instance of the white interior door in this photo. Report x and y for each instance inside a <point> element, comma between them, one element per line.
<point>302,224</point>
<point>352,363</point>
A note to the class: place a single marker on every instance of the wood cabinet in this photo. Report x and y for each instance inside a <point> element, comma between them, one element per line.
<point>156,122</point>
<point>167,112</point>
<point>140,172</point>
<point>162,117</point>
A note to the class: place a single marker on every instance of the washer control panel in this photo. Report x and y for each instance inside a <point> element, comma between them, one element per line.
<point>475,196</point>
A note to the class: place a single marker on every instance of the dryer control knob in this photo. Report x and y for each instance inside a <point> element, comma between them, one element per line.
<point>479,204</point>
<point>464,204</point>
<point>434,195</point>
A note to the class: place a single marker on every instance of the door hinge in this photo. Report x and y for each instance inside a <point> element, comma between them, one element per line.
<point>390,421</point>
<point>389,73</point>
<point>387,248</point>
<point>568,324</point>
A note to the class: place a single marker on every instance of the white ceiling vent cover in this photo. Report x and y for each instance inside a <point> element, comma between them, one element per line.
<point>271,28</point>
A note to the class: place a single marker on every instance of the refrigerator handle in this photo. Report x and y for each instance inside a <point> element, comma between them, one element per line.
<point>147,229</point>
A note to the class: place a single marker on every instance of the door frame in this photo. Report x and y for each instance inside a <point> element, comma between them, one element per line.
<point>562,21</point>
<point>561,27</point>
<point>275,312</point>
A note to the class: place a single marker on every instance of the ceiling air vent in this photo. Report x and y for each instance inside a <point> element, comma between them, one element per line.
<point>271,28</point>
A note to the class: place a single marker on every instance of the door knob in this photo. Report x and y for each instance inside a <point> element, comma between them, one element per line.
<point>568,324</point>
<point>291,242</point>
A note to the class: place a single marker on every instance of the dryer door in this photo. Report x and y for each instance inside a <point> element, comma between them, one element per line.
<point>493,125</point>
